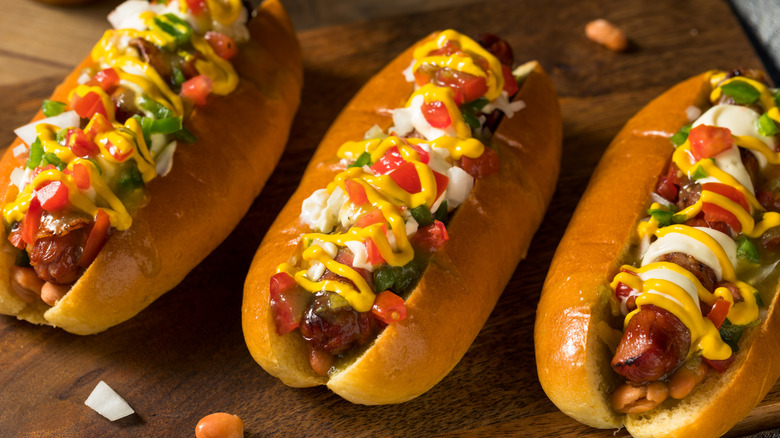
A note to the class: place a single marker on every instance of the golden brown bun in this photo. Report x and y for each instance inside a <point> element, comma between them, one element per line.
<point>193,208</point>
<point>489,235</point>
<point>571,320</point>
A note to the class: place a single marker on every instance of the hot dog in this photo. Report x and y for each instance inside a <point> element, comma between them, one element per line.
<point>381,269</point>
<point>166,131</point>
<point>659,311</point>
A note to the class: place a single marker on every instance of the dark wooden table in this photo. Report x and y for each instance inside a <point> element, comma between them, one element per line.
<point>184,356</point>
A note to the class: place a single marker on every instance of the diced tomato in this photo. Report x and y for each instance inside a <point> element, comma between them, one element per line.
<point>107,79</point>
<point>510,84</point>
<point>406,177</point>
<point>719,312</point>
<point>98,124</point>
<point>432,237</point>
<point>356,192</point>
<point>436,114</point>
<point>38,170</point>
<point>716,213</point>
<point>388,307</point>
<point>441,183</point>
<point>422,154</point>
<point>448,49</point>
<point>197,7</point>
<point>727,191</point>
<point>98,236</point>
<point>197,89</point>
<point>80,144</point>
<point>669,184</point>
<point>16,238</point>
<point>720,365</point>
<point>223,45</point>
<point>32,221</point>
<point>288,302</point>
<point>372,252</point>
<point>485,165</point>
<point>80,175</point>
<point>389,161</point>
<point>708,141</point>
<point>53,196</point>
<point>466,87</point>
<point>89,105</point>
<point>116,152</point>
<point>371,217</point>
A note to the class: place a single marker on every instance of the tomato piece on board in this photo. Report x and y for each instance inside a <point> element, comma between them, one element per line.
<point>52,196</point>
<point>223,45</point>
<point>484,165</point>
<point>197,89</point>
<point>388,307</point>
<point>288,302</point>
<point>436,114</point>
<point>98,236</point>
<point>708,141</point>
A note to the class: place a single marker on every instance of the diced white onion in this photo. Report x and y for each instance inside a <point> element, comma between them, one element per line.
<point>20,150</point>
<point>409,71</point>
<point>502,102</point>
<point>18,177</point>
<point>108,403</point>
<point>693,112</point>
<point>360,254</point>
<point>316,269</point>
<point>164,160</point>
<point>68,119</point>
<point>127,15</point>
<point>459,187</point>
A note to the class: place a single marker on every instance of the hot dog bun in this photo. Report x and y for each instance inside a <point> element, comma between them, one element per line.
<point>575,331</point>
<point>193,208</point>
<point>488,236</point>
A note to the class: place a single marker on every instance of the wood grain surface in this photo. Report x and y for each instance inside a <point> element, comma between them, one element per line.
<point>184,356</point>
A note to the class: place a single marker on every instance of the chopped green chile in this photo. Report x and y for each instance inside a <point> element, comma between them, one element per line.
<point>442,214</point>
<point>36,154</point>
<point>732,332</point>
<point>399,279</point>
<point>185,136</point>
<point>363,160</point>
<point>664,217</point>
<point>178,77</point>
<point>166,126</point>
<point>742,92</point>
<point>422,214</point>
<point>174,26</point>
<point>52,158</point>
<point>680,136</point>
<point>52,108</point>
<point>698,173</point>
<point>61,136</point>
<point>767,126</point>
<point>746,250</point>
<point>130,179</point>
<point>158,110</point>
<point>471,120</point>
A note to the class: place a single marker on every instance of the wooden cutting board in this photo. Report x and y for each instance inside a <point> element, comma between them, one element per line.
<point>184,356</point>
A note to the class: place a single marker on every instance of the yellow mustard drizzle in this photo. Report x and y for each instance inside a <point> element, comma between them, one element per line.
<point>494,76</point>
<point>432,93</point>
<point>672,297</point>
<point>126,140</point>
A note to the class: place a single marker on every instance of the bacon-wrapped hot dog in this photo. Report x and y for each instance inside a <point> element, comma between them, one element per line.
<point>168,130</point>
<point>384,265</point>
<point>659,310</point>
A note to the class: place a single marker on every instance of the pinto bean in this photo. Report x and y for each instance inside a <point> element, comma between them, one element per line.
<point>686,378</point>
<point>26,284</point>
<point>606,34</point>
<point>630,399</point>
<point>220,425</point>
<point>52,292</point>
